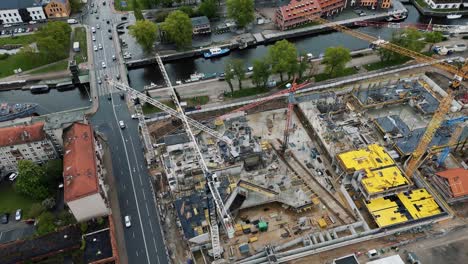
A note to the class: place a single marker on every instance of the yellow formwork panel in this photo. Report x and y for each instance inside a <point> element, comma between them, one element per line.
<point>419,203</point>
<point>383,179</point>
<point>322,223</point>
<point>378,204</point>
<point>389,216</point>
<point>371,158</point>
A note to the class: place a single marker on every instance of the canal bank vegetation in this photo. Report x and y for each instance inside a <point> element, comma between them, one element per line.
<point>79,35</point>
<point>53,67</point>
<point>178,27</point>
<point>53,44</point>
<point>145,32</point>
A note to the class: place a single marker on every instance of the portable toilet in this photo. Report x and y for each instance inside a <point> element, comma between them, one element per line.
<point>262,226</point>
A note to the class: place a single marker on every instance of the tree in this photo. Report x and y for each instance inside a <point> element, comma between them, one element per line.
<point>178,28</point>
<point>187,10</point>
<point>208,8</point>
<point>53,40</point>
<point>45,223</point>
<point>238,68</point>
<point>242,11</point>
<point>53,173</point>
<point>302,65</point>
<point>30,180</point>
<point>282,56</point>
<point>335,59</point>
<point>145,32</point>
<point>229,75</point>
<point>408,38</point>
<point>75,6</point>
<point>433,37</point>
<point>261,72</point>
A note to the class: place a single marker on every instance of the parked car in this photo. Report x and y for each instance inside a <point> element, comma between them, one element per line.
<point>98,26</point>
<point>13,176</point>
<point>100,46</point>
<point>94,38</point>
<point>113,57</point>
<point>95,48</point>
<point>127,221</point>
<point>93,30</point>
<point>18,215</point>
<point>4,218</point>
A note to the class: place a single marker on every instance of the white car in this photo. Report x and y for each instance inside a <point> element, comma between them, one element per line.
<point>20,30</point>
<point>103,64</point>
<point>121,124</point>
<point>18,215</point>
<point>93,30</point>
<point>97,26</point>
<point>100,46</point>
<point>95,48</point>
<point>13,176</point>
<point>99,80</point>
<point>127,221</point>
<point>135,116</point>
<point>94,38</point>
<point>113,57</point>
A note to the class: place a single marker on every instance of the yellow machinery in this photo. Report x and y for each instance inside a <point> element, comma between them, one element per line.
<point>445,103</point>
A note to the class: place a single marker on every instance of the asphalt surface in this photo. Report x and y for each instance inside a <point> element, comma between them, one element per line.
<point>144,241</point>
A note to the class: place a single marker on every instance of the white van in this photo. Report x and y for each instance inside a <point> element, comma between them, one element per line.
<point>72,21</point>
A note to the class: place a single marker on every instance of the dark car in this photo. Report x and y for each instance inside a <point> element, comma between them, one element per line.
<point>122,96</point>
<point>108,21</point>
<point>4,218</point>
<point>109,30</point>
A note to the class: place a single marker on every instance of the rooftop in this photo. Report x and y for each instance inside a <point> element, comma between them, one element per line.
<point>199,21</point>
<point>296,9</point>
<point>457,179</point>
<point>98,246</point>
<point>373,157</point>
<point>17,4</point>
<point>15,135</point>
<point>79,164</point>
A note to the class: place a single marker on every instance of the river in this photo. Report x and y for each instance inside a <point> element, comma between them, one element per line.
<point>181,70</point>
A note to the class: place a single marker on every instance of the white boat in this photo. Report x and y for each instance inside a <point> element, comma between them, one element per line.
<point>454,16</point>
<point>196,76</point>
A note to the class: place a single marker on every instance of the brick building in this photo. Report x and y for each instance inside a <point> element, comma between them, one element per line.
<point>29,142</point>
<point>57,8</point>
<point>84,190</point>
<point>24,11</point>
<point>297,11</point>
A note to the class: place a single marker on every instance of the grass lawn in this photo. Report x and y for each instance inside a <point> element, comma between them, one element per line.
<point>421,3</point>
<point>59,66</point>
<point>384,64</point>
<point>80,36</point>
<point>247,92</point>
<point>20,60</point>
<point>150,109</point>
<point>23,40</point>
<point>325,76</point>
<point>198,100</point>
<point>12,200</point>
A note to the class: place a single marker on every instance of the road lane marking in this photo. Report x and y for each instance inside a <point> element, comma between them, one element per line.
<point>147,210</point>
<point>144,197</point>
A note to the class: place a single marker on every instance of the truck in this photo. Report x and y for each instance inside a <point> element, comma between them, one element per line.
<point>72,21</point>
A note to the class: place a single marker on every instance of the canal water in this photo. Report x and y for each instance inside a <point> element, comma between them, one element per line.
<point>53,101</point>
<point>181,70</point>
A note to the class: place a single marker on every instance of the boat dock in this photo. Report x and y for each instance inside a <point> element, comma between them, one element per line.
<point>251,40</point>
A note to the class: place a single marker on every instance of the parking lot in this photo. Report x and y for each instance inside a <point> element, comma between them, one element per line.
<point>23,29</point>
<point>15,230</point>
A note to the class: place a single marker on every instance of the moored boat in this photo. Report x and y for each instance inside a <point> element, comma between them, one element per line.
<point>454,16</point>
<point>9,111</point>
<point>215,52</point>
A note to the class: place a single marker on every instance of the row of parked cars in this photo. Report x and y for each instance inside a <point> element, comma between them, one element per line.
<point>5,216</point>
<point>18,30</point>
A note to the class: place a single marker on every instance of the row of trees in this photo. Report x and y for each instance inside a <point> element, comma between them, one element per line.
<point>283,59</point>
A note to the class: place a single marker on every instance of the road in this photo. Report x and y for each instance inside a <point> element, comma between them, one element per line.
<point>143,240</point>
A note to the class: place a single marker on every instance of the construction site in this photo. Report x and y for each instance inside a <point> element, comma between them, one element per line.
<point>310,169</point>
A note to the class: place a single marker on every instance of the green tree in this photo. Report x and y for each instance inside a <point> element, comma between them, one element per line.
<point>433,37</point>
<point>242,11</point>
<point>409,38</point>
<point>229,75</point>
<point>238,68</point>
<point>335,60</point>
<point>30,180</point>
<point>302,65</point>
<point>179,28</point>
<point>187,10</point>
<point>53,40</point>
<point>261,72</point>
<point>208,8</point>
<point>45,223</point>
<point>145,32</point>
<point>75,6</point>
<point>53,173</point>
<point>282,56</point>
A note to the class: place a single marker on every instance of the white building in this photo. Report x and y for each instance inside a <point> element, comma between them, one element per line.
<point>30,142</point>
<point>84,189</point>
<point>445,4</point>
<point>21,11</point>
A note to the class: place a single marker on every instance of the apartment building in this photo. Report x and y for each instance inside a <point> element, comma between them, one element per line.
<point>57,8</point>
<point>446,4</point>
<point>297,12</point>
<point>24,11</point>
<point>30,142</point>
<point>383,4</point>
<point>84,190</point>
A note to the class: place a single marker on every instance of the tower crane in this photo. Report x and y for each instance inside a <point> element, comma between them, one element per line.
<point>287,128</point>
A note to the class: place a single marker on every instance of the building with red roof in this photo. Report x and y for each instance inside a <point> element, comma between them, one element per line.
<point>452,184</point>
<point>28,141</point>
<point>298,12</point>
<point>82,173</point>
